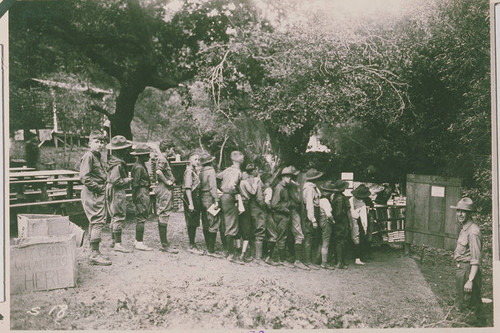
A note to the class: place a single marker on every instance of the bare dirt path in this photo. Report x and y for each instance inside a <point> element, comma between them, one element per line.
<point>148,290</point>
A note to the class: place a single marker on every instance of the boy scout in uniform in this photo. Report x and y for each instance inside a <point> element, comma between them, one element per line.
<point>164,194</point>
<point>270,226</point>
<point>117,182</point>
<point>467,254</point>
<point>280,206</point>
<point>93,177</point>
<point>295,226</point>
<point>208,189</point>
<point>341,211</point>
<point>231,203</point>
<point>192,203</point>
<point>140,193</point>
<point>312,211</point>
<point>360,231</point>
<point>326,223</point>
<point>257,206</point>
<point>245,222</point>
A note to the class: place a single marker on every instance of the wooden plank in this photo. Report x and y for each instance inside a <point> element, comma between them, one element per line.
<point>50,202</point>
<point>410,210</point>
<point>453,195</point>
<point>421,201</point>
<point>436,214</point>
<point>426,232</point>
<point>428,240</point>
<point>434,180</point>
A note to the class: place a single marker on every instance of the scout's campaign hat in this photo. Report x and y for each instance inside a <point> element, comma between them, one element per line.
<point>328,186</point>
<point>288,171</point>
<point>295,172</point>
<point>118,142</point>
<point>206,158</point>
<point>250,167</point>
<point>340,186</point>
<point>312,174</point>
<point>141,149</point>
<point>361,192</point>
<point>465,204</point>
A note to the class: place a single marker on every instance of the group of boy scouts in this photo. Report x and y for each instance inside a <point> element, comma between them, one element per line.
<point>261,219</point>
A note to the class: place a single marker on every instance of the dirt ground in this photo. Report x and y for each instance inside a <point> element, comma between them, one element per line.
<point>149,290</point>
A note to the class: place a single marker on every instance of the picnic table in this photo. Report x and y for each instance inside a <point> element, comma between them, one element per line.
<point>19,169</point>
<point>43,187</point>
<point>41,174</point>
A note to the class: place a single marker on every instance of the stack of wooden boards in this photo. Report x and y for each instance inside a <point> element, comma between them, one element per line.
<point>43,256</point>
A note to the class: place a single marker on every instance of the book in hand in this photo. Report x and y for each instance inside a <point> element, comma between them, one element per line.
<point>212,210</point>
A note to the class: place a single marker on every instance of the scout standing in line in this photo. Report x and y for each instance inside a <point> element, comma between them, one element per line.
<point>271,231</point>
<point>326,222</point>
<point>192,204</point>
<point>295,227</point>
<point>311,196</point>
<point>93,177</point>
<point>140,193</point>
<point>118,181</point>
<point>468,278</point>
<point>359,222</point>
<point>164,194</point>
<point>208,189</point>
<point>257,206</point>
<point>342,217</point>
<point>231,202</point>
<point>247,192</point>
<point>280,204</point>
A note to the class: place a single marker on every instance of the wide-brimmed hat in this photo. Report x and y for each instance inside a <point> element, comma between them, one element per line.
<point>295,172</point>
<point>328,186</point>
<point>465,204</point>
<point>118,142</point>
<point>141,149</point>
<point>361,192</point>
<point>288,171</point>
<point>340,186</point>
<point>206,158</point>
<point>312,174</point>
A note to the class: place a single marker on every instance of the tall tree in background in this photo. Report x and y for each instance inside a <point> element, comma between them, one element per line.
<point>136,44</point>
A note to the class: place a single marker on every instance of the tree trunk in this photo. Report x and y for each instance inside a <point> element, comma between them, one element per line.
<point>125,106</point>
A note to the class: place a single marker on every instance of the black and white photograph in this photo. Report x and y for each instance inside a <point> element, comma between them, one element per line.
<point>249,165</point>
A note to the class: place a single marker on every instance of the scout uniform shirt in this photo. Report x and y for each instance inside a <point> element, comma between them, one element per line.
<point>208,181</point>
<point>469,244</point>
<point>140,190</point>
<point>311,196</point>
<point>93,177</point>
<point>115,190</point>
<point>231,178</point>
<point>164,192</point>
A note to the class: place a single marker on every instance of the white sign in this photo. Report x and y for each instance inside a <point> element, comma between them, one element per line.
<point>437,191</point>
<point>347,176</point>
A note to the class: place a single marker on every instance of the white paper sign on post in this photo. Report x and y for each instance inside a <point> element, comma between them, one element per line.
<point>437,191</point>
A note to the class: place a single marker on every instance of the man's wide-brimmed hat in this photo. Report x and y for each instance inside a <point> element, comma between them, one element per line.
<point>361,192</point>
<point>206,158</point>
<point>328,186</point>
<point>118,142</point>
<point>141,149</point>
<point>340,186</point>
<point>312,174</point>
<point>465,204</point>
<point>288,171</point>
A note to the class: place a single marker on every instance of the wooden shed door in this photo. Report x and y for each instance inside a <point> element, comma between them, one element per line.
<point>429,219</point>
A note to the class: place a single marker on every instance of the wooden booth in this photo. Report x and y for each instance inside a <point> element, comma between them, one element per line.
<point>429,219</point>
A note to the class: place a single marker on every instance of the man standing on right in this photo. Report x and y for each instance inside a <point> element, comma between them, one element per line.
<point>468,256</point>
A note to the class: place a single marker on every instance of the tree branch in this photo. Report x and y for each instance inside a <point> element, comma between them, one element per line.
<point>101,110</point>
